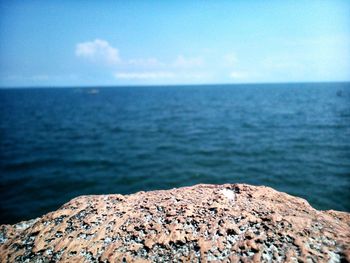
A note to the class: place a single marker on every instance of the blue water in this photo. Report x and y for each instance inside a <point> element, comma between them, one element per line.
<point>58,143</point>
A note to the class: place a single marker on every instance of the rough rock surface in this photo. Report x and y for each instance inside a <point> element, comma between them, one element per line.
<point>229,223</point>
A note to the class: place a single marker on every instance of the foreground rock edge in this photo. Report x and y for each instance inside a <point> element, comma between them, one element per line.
<point>228,223</point>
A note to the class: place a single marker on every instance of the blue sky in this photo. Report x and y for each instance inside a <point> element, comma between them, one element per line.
<point>87,43</point>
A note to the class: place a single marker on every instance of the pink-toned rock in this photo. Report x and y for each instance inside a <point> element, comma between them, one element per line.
<point>217,223</point>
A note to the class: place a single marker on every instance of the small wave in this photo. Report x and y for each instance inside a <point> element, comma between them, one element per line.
<point>92,162</point>
<point>116,129</point>
<point>28,164</point>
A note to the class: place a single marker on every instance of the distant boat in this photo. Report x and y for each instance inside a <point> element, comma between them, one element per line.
<point>93,91</point>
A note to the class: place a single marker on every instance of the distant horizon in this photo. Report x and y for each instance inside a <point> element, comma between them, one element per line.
<point>176,85</point>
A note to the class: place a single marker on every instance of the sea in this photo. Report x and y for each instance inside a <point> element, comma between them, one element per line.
<point>60,143</point>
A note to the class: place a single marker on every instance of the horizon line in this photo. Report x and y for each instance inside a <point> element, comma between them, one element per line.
<point>170,85</point>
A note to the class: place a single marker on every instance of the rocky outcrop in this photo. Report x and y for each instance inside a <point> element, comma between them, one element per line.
<point>229,223</point>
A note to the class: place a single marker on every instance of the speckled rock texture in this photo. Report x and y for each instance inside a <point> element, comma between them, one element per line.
<point>220,223</point>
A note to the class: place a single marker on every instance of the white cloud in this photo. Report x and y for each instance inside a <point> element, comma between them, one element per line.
<point>39,78</point>
<point>98,50</point>
<point>14,77</point>
<point>144,75</point>
<point>148,62</point>
<point>238,75</point>
<point>231,59</point>
<point>183,62</point>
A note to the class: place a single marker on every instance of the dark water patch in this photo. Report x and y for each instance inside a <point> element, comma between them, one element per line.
<point>28,164</point>
<point>91,163</point>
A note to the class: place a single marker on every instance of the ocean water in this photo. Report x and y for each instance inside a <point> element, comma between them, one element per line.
<point>59,143</point>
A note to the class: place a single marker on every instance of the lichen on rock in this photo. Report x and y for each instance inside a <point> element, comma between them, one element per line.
<point>202,223</point>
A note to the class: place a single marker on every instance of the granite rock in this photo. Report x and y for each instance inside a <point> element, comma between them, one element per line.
<point>202,223</point>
